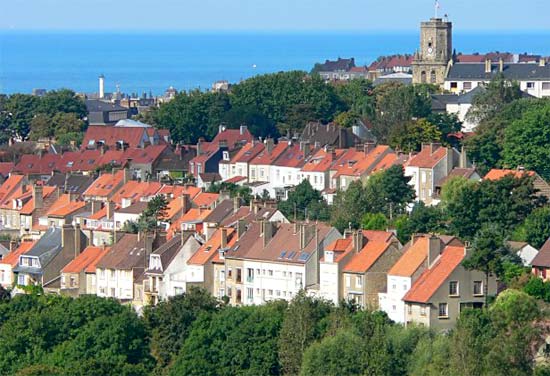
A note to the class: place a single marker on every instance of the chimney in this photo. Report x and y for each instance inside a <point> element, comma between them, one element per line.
<point>463,163</point>
<point>13,245</point>
<point>101,87</point>
<point>434,249</point>
<point>307,232</point>
<point>220,128</point>
<point>96,206</point>
<point>269,145</point>
<point>368,147</point>
<point>185,203</point>
<point>358,240</point>
<point>342,138</point>
<point>267,231</point>
<point>542,62</point>
<point>500,65</point>
<point>110,209</point>
<point>67,235</point>
<point>127,175</point>
<point>242,129</point>
<point>487,65</point>
<point>236,203</point>
<point>223,238</point>
<point>199,147</point>
<point>38,196</point>
<point>304,148</point>
<point>77,239</point>
<point>241,228</point>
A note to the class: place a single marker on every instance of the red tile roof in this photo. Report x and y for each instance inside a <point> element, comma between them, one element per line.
<point>322,160</point>
<point>205,199</point>
<point>291,157</point>
<point>357,163</point>
<point>110,135</point>
<point>6,168</point>
<point>235,179</point>
<point>377,243</point>
<point>12,258</point>
<point>248,152</point>
<point>64,206</point>
<point>265,158</point>
<point>134,190</point>
<point>496,174</point>
<point>232,137</point>
<point>104,185</point>
<point>86,260</point>
<point>412,259</point>
<point>210,249</point>
<point>10,186</point>
<point>426,159</point>
<point>28,207</point>
<point>431,279</point>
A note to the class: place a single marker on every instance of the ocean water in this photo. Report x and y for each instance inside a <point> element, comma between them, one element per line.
<point>140,62</point>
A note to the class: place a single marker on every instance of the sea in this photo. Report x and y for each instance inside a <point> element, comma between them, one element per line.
<point>138,62</point>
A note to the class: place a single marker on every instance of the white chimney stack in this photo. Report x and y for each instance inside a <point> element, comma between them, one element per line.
<point>101,87</point>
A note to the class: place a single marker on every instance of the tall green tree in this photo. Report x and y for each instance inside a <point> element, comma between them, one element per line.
<point>301,327</point>
<point>527,140</point>
<point>62,101</point>
<point>411,135</point>
<point>304,201</point>
<point>535,230</point>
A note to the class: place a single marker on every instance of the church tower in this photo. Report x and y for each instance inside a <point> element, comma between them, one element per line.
<point>436,49</point>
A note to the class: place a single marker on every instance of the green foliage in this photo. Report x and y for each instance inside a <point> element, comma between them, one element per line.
<point>302,325</point>
<point>422,219</point>
<point>244,193</point>
<point>387,192</point>
<point>258,123</point>
<point>527,139</point>
<point>535,230</point>
<point>374,221</point>
<point>347,119</point>
<point>358,97</point>
<point>453,187</point>
<point>504,203</point>
<point>169,322</point>
<point>413,134</point>
<point>304,200</point>
<point>149,220</point>
<point>235,341</point>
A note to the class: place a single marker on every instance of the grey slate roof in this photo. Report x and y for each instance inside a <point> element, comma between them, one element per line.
<point>220,212</point>
<point>168,251</point>
<point>96,105</point>
<point>440,101</point>
<point>74,183</point>
<point>511,71</point>
<point>46,248</point>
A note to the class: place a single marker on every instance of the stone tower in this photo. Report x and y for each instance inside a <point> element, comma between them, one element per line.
<point>436,49</point>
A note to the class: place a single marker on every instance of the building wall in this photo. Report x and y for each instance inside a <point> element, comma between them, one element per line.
<point>174,280</point>
<point>91,283</point>
<point>232,284</point>
<point>391,301</point>
<point>466,279</point>
<point>115,283</point>
<point>6,275</point>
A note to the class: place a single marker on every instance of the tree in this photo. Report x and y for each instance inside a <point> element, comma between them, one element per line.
<point>243,192</point>
<point>155,212</point>
<point>300,327</point>
<point>391,187</point>
<point>374,221</point>
<point>258,124</point>
<point>349,206</point>
<point>527,140</point>
<point>169,322</point>
<point>413,134</point>
<point>492,98</point>
<point>447,124</point>
<point>62,101</point>
<point>489,251</point>
<point>20,109</point>
<point>304,201</point>
<point>358,97</point>
<point>452,188</point>
<point>347,119</point>
<point>535,230</point>
<point>235,340</point>
<point>41,127</point>
<point>422,219</point>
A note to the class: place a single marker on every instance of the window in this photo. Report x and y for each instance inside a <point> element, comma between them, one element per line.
<point>112,274</point>
<point>270,273</point>
<point>229,292</point>
<point>229,273</point>
<point>453,288</point>
<point>101,273</point>
<point>359,281</point>
<point>530,85</point>
<point>221,293</point>
<point>423,311</point>
<point>270,292</point>
<point>478,288</point>
<point>250,293</point>
<point>443,310</point>
<point>546,86</point>
<point>348,281</point>
<point>394,287</point>
<point>284,274</point>
<point>423,176</point>
<point>394,308</point>
<point>179,290</point>
<point>222,275</point>
<point>409,309</point>
<point>432,77</point>
<point>2,275</point>
<point>225,155</point>
<point>454,85</point>
<point>467,85</point>
<point>278,292</point>
<point>404,287</point>
<point>239,275</point>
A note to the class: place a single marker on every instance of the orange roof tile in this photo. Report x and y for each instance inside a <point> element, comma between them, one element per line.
<point>426,159</point>
<point>12,258</point>
<point>412,259</point>
<point>209,249</point>
<point>194,215</point>
<point>99,214</point>
<point>174,207</point>
<point>205,199</point>
<point>265,158</point>
<point>64,206</point>
<point>105,184</point>
<point>248,152</point>
<point>28,208</point>
<point>86,260</point>
<point>10,185</point>
<point>322,160</point>
<point>363,260</point>
<point>431,279</point>
<point>496,174</point>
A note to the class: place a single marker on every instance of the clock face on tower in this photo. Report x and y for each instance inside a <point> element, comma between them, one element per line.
<point>430,50</point>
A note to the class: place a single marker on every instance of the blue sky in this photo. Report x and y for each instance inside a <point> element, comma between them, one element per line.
<point>270,15</point>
